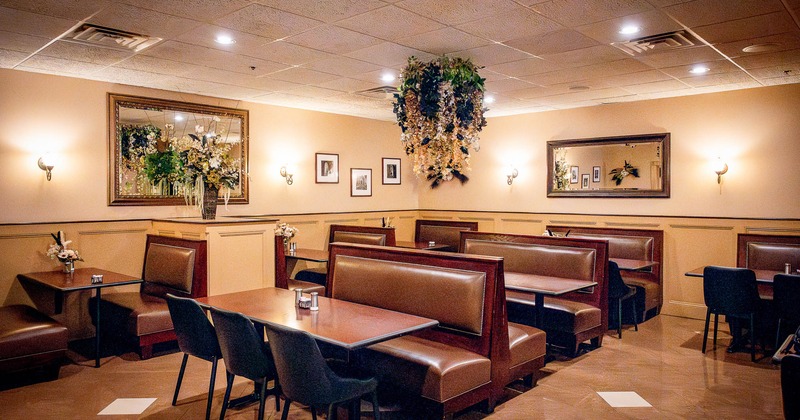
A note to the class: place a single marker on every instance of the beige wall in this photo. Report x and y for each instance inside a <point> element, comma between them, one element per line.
<point>67,116</point>
<point>754,130</point>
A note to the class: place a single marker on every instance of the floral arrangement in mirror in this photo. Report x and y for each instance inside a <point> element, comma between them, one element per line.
<point>561,171</point>
<point>60,251</point>
<point>620,173</point>
<point>440,111</point>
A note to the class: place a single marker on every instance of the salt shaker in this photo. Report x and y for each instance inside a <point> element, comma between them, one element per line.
<point>314,301</point>
<point>298,293</point>
<point>787,268</point>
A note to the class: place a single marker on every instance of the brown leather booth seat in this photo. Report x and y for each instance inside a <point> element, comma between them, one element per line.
<point>632,244</point>
<point>570,319</point>
<point>172,265</point>
<point>30,339</point>
<point>447,232</point>
<point>463,361</point>
<point>768,252</point>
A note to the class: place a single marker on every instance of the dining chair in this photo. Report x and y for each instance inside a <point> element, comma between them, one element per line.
<point>247,355</point>
<point>618,292</point>
<point>732,292</point>
<point>196,337</point>
<point>306,378</point>
<point>786,295</point>
<point>790,386</point>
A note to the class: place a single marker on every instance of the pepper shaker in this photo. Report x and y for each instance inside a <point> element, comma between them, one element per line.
<point>314,301</point>
<point>787,269</point>
<point>298,293</point>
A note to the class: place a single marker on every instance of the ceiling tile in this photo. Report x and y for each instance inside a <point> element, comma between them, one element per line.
<point>519,22</point>
<point>326,11</point>
<point>333,39</point>
<point>313,92</point>
<point>640,77</point>
<point>284,52</point>
<point>133,77</point>
<point>573,13</point>
<point>389,55</point>
<point>443,41</point>
<point>781,58</point>
<point>22,22</point>
<point>707,12</point>
<point>303,76</point>
<point>587,56</point>
<point>525,67</point>
<point>143,21</point>
<point>463,11</point>
<point>575,74</point>
<point>788,41</point>
<point>552,42</point>
<point>210,57</point>
<point>660,86</point>
<point>346,84</point>
<point>342,66</point>
<point>74,10</point>
<point>682,56</point>
<point>510,83</point>
<point>236,92</point>
<point>266,83</point>
<point>21,42</point>
<point>267,22</point>
<point>85,53</point>
<point>492,54</point>
<point>206,35</point>
<point>718,79</point>
<point>714,67</point>
<point>652,22</point>
<point>200,10</point>
<point>60,65</point>
<point>9,59</point>
<point>754,27</point>
<point>379,23</point>
<point>159,65</point>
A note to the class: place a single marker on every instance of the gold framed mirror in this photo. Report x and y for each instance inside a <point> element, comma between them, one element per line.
<point>147,138</point>
<point>624,166</point>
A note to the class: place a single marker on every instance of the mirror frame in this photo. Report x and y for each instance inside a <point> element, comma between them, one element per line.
<point>115,101</point>
<point>664,192</point>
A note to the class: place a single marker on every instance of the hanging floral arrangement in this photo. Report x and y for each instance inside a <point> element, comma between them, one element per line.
<point>618,174</point>
<point>440,110</point>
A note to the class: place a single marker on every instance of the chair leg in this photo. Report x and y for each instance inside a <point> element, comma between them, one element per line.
<point>210,387</point>
<point>753,338</point>
<point>262,400</point>
<point>619,318</point>
<point>286,405</point>
<point>313,412</point>
<point>276,389</point>
<point>716,328</point>
<point>376,409</point>
<point>635,317</point>
<point>705,332</point>
<point>227,395</point>
<point>778,335</point>
<point>331,408</point>
<point>180,378</point>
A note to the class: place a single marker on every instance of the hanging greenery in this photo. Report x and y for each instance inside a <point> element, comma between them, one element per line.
<point>440,110</point>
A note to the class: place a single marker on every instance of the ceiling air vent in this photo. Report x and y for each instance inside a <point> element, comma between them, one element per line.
<point>381,92</point>
<point>100,36</point>
<point>660,42</point>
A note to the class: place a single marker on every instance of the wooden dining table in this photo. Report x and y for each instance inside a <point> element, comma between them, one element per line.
<point>626,264</point>
<point>763,277</point>
<point>541,286</point>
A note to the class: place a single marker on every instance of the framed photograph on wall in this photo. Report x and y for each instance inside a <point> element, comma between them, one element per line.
<point>360,182</point>
<point>584,181</point>
<point>327,168</point>
<point>391,171</point>
<point>573,174</point>
<point>595,174</point>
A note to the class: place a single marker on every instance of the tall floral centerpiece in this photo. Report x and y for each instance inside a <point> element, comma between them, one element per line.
<point>440,111</point>
<point>208,168</point>
<point>60,251</point>
<point>561,171</point>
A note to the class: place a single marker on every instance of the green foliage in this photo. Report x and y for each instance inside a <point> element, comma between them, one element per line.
<point>163,166</point>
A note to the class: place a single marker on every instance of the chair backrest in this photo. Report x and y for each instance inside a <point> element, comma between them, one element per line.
<point>245,353</point>
<point>447,232</point>
<point>196,335</point>
<point>616,286</point>
<point>767,252</point>
<point>786,296</point>
<point>369,235</point>
<point>302,371</point>
<point>730,291</point>
<point>174,265</point>
<point>790,385</point>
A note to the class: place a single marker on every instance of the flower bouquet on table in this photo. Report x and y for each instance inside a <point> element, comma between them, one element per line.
<point>288,232</point>
<point>60,251</point>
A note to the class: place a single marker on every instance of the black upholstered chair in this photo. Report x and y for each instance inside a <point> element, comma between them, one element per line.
<point>306,378</point>
<point>618,292</point>
<point>196,337</point>
<point>786,295</point>
<point>732,292</point>
<point>246,354</point>
<point>790,386</point>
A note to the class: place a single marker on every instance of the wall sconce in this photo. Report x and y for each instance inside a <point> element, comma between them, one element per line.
<point>285,173</point>
<point>46,164</point>
<point>720,167</point>
<point>512,173</point>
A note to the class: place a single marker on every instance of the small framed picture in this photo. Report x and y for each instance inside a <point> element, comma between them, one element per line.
<point>391,171</point>
<point>584,181</point>
<point>573,174</point>
<point>595,174</point>
<point>327,168</point>
<point>360,182</point>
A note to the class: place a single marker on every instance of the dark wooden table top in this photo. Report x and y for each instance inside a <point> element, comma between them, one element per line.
<point>544,285</point>
<point>81,279</point>
<point>633,265</point>
<point>762,276</point>
<point>420,245</point>
<point>305,254</point>
<point>345,324</point>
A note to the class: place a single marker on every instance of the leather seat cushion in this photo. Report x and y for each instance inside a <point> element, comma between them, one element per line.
<point>316,275</point>
<point>526,343</point>
<point>560,314</point>
<point>306,286</point>
<point>24,331</point>
<point>434,370</point>
<point>650,289</point>
<point>146,314</point>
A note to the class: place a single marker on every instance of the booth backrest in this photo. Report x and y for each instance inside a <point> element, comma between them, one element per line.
<point>768,252</point>
<point>174,265</point>
<point>362,235</point>
<point>442,231</point>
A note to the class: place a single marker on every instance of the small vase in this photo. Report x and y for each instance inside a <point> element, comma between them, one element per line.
<point>210,197</point>
<point>69,267</point>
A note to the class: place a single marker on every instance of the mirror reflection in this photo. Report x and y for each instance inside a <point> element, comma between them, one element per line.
<point>626,166</point>
<point>149,140</point>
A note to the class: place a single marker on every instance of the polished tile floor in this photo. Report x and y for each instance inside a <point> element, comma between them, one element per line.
<point>661,364</point>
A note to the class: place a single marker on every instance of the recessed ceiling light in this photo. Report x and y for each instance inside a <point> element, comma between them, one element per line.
<point>387,77</point>
<point>699,70</point>
<point>224,40</point>
<point>629,29</point>
<point>765,47</point>
<point>178,117</point>
<point>489,99</point>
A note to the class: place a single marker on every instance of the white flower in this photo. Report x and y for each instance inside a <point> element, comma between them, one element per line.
<point>198,129</point>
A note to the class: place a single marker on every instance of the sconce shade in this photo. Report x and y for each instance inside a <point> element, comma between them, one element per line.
<point>513,173</point>
<point>289,177</point>
<point>46,165</point>
<point>720,168</point>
